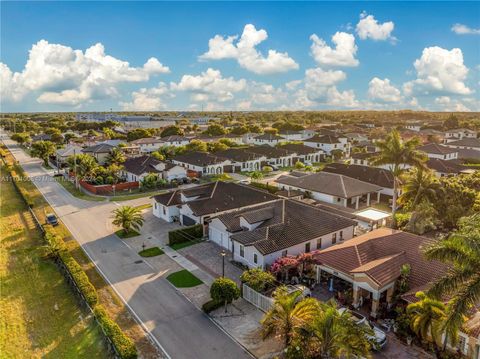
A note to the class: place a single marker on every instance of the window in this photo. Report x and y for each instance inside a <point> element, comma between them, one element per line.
<point>242,251</point>
<point>164,210</point>
<point>341,235</point>
<point>284,253</point>
<point>307,247</point>
<point>319,243</point>
<point>334,238</point>
<point>255,258</point>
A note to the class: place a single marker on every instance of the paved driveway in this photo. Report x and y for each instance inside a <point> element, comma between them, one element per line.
<point>174,322</point>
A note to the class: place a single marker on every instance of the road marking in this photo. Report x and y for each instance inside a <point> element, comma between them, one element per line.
<point>142,324</point>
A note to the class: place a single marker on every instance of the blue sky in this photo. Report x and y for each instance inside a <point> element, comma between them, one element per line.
<point>70,56</point>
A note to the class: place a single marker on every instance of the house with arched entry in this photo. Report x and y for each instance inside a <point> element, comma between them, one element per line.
<point>242,160</point>
<point>201,163</point>
<point>274,156</point>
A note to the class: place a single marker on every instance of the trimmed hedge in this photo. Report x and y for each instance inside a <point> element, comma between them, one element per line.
<point>75,270</point>
<point>123,344</point>
<point>211,305</point>
<point>185,234</point>
<point>267,187</point>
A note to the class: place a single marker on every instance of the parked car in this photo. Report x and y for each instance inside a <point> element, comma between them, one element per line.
<point>52,219</point>
<point>379,339</point>
<point>305,291</point>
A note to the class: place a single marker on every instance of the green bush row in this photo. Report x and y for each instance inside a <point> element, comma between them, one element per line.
<point>269,188</point>
<point>125,346</point>
<point>75,270</point>
<point>185,234</point>
<point>211,305</point>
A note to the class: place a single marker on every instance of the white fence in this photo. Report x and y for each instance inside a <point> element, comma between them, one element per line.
<point>261,301</point>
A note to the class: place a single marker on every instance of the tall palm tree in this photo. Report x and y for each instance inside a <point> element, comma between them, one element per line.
<point>334,334</point>
<point>83,165</point>
<point>419,184</point>
<point>129,218</point>
<point>287,314</point>
<point>397,154</point>
<point>461,252</point>
<point>116,157</point>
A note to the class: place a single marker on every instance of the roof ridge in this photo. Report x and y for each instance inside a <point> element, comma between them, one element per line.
<point>358,255</point>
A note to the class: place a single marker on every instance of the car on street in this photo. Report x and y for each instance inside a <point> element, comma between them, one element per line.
<point>379,339</point>
<point>52,219</point>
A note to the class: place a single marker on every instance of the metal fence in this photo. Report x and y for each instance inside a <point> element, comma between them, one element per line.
<point>259,300</point>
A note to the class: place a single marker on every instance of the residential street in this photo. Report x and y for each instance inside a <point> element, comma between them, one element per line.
<point>179,327</point>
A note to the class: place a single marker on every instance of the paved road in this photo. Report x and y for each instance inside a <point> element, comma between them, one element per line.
<point>181,329</point>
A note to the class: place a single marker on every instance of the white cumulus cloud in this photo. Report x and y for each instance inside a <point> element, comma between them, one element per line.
<point>461,29</point>
<point>439,71</point>
<point>342,54</point>
<point>210,85</point>
<point>369,28</point>
<point>383,90</point>
<point>245,52</point>
<point>151,99</point>
<point>63,75</point>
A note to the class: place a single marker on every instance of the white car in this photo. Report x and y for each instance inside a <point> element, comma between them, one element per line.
<point>301,288</point>
<point>378,339</point>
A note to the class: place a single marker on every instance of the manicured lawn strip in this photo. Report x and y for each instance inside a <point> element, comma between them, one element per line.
<point>107,296</point>
<point>181,245</point>
<point>124,235</point>
<point>151,252</point>
<point>183,279</point>
<point>70,187</point>
<point>128,197</point>
<point>39,313</point>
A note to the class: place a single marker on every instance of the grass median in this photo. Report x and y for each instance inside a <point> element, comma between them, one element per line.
<point>183,279</point>
<point>70,187</point>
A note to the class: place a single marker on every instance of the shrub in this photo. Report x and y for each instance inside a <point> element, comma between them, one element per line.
<point>257,279</point>
<point>185,234</point>
<point>211,305</point>
<point>122,343</point>
<point>269,188</point>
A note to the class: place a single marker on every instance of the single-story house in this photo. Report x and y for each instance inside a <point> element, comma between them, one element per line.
<point>371,264</point>
<point>268,139</point>
<point>198,204</point>
<point>434,150</point>
<point>274,156</point>
<point>202,163</point>
<point>63,154</point>
<point>175,140</point>
<point>291,135</point>
<point>459,134</point>
<point>137,168</point>
<point>331,188</point>
<point>241,159</point>
<point>444,168</point>
<point>258,235</point>
<point>303,153</point>
<point>465,143</point>
<point>149,144</point>
<point>100,152</point>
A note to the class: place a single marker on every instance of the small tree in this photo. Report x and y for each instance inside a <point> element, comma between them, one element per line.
<point>128,218</point>
<point>267,169</point>
<point>299,165</point>
<point>21,138</point>
<point>43,150</point>
<point>256,175</point>
<point>158,156</point>
<point>224,290</point>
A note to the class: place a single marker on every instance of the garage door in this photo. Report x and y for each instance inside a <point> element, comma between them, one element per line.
<point>187,221</point>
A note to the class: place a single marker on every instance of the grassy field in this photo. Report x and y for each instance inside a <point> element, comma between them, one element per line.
<point>130,234</point>
<point>107,297</point>
<point>183,279</point>
<point>70,187</point>
<point>128,197</point>
<point>39,314</point>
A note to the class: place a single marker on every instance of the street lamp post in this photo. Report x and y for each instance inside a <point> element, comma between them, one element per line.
<point>223,254</point>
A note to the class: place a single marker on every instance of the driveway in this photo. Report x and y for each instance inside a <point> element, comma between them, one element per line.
<point>175,324</point>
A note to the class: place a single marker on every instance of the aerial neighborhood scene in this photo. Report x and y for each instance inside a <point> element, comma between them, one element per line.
<point>216,180</point>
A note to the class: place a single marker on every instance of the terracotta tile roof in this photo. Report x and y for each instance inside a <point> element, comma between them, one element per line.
<point>380,254</point>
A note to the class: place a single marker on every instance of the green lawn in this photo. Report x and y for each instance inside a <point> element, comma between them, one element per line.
<point>151,252</point>
<point>178,246</point>
<point>128,197</point>
<point>183,279</point>
<point>40,317</point>
<point>70,187</point>
<point>124,235</point>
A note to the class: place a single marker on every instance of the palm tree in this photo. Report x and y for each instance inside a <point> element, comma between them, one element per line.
<point>420,184</point>
<point>334,334</point>
<point>396,154</point>
<point>427,316</point>
<point>116,157</point>
<point>83,165</point>
<point>129,218</point>
<point>461,252</point>
<point>287,314</point>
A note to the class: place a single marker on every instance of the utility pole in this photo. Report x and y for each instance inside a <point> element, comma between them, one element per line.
<point>75,166</point>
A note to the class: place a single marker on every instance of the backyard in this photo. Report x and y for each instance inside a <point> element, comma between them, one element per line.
<point>40,316</point>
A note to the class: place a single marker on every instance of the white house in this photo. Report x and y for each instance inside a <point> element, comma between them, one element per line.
<point>175,141</point>
<point>137,168</point>
<point>258,235</point>
<point>291,135</point>
<point>328,144</point>
<point>459,134</point>
<point>274,156</point>
<point>242,159</point>
<point>414,126</point>
<point>302,153</point>
<point>147,145</point>
<point>202,163</point>
<point>268,139</point>
<point>434,150</point>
